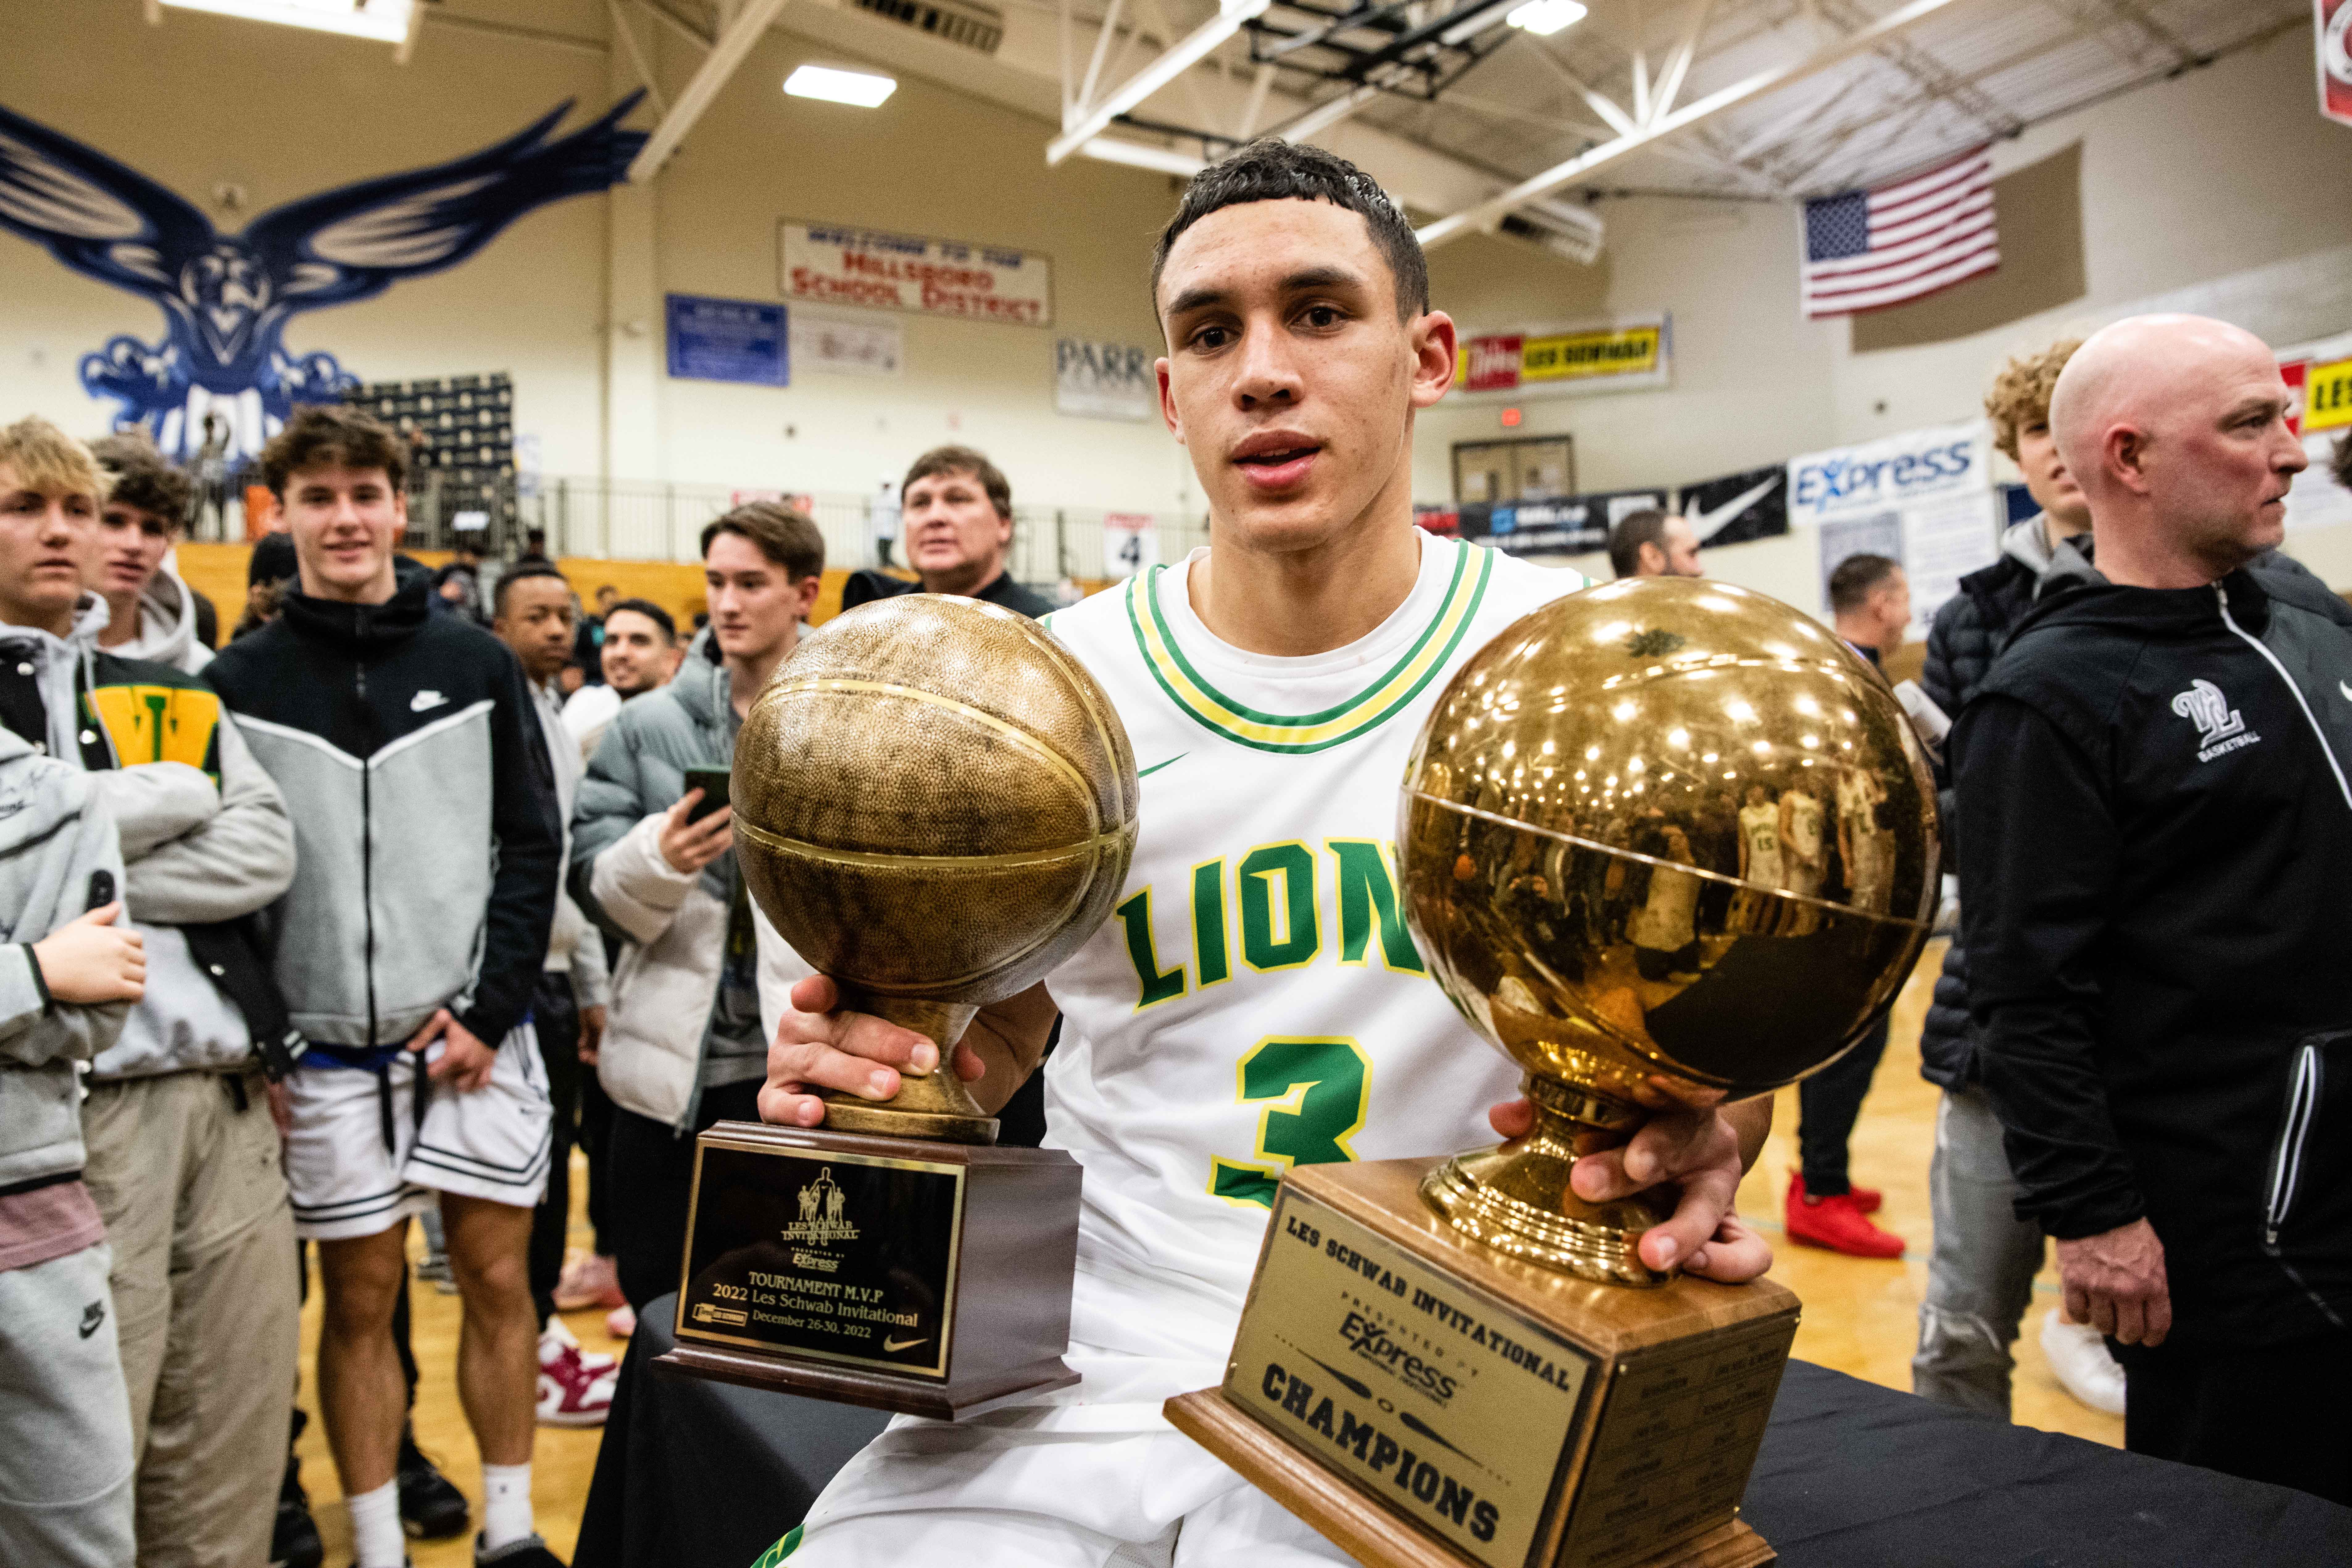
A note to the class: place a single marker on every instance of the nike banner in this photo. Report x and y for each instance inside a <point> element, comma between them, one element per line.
<point>1737,508</point>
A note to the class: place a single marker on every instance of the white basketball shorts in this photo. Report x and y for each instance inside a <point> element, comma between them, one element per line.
<point>491,1143</point>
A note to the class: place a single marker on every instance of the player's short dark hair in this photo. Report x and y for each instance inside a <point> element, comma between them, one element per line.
<point>941,460</point>
<point>522,572</point>
<point>1636,529</point>
<point>334,433</point>
<point>651,611</point>
<point>788,538</point>
<point>1272,169</point>
<point>143,478</point>
<point>2339,462</point>
<point>1856,578</point>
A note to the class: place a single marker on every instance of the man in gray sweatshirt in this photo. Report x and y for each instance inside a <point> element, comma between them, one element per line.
<point>68,976</point>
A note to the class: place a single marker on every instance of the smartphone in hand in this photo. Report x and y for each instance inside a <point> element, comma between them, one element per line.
<point>712,783</point>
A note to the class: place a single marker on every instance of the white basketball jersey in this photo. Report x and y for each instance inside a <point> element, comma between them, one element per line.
<point>1256,1001</point>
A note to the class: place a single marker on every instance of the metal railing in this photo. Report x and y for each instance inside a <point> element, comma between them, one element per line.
<point>635,520</point>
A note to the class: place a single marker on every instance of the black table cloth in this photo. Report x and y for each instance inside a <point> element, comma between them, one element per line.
<point>703,1475</point>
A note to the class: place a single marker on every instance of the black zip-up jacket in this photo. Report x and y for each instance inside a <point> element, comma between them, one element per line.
<point>424,817</point>
<point>2155,828</point>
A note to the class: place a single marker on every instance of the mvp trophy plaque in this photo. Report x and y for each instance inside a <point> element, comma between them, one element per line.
<point>1662,841</point>
<point>934,805</point>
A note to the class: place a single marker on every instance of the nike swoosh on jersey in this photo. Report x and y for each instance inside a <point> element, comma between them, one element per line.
<point>891,1347</point>
<point>2339,685</point>
<point>1179,757</point>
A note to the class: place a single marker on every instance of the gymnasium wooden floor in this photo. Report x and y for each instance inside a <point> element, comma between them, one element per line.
<point>1861,1315</point>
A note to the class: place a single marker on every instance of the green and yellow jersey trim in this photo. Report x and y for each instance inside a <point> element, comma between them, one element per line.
<point>1297,735</point>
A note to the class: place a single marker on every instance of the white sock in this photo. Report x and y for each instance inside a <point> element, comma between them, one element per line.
<point>376,1540</point>
<point>505,1504</point>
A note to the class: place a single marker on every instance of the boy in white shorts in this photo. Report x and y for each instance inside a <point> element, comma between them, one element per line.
<point>1257,1002</point>
<point>425,823</point>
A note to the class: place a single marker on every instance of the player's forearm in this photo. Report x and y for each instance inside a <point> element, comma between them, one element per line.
<point>1009,1037</point>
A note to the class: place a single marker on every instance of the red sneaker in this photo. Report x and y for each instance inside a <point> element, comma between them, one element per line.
<point>1836,1224</point>
<point>1866,1199</point>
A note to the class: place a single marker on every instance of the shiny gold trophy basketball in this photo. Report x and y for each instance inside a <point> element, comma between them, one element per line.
<point>934,805</point>
<point>1662,841</point>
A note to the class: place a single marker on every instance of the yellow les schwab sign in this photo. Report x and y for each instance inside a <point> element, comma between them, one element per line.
<point>2327,397</point>
<point>1626,354</point>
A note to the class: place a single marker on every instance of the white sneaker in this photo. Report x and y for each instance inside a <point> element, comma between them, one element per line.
<point>2078,1355</point>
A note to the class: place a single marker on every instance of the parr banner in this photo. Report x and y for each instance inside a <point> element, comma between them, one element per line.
<point>871,270</point>
<point>1599,356</point>
<point>1105,381</point>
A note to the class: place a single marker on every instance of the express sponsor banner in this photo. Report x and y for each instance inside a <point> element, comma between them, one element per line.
<point>870,269</point>
<point>1553,530</point>
<point>1925,498</point>
<point>1737,508</point>
<point>2334,19</point>
<point>1613,355</point>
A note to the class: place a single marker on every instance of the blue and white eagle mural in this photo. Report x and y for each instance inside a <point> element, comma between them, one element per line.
<point>226,299</point>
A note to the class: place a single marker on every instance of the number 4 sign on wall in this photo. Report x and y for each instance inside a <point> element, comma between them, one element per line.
<point>2334,19</point>
<point>1130,544</point>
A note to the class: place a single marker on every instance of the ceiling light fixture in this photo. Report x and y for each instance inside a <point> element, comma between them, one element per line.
<point>859,89</point>
<point>386,21</point>
<point>1545,18</point>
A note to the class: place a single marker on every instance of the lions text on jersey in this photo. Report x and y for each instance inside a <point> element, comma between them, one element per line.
<point>1257,1002</point>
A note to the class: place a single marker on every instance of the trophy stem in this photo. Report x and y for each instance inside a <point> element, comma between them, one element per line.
<point>934,1105</point>
<point>1516,1197</point>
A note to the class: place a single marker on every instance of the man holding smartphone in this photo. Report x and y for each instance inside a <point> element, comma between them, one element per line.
<point>652,862</point>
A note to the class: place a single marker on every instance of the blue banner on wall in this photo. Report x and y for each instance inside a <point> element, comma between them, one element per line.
<point>728,340</point>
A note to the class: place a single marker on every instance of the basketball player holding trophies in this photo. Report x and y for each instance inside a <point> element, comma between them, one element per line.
<point>1257,1000</point>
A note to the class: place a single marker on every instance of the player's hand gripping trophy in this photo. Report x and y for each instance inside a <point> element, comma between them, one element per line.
<point>1570,835</point>
<point>1571,844</point>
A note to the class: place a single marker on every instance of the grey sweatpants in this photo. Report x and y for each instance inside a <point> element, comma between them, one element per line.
<point>64,1420</point>
<point>185,1170</point>
<point>1980,1273</point>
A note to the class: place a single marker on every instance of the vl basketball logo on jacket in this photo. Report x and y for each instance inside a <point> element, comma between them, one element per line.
<point>2220,729</point>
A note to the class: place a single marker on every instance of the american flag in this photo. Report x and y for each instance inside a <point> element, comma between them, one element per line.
<point>1864,249</point>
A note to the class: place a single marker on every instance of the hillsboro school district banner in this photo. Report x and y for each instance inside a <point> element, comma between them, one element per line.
<point>1615,355</point>
<point>1925,498</point>
<point>868,269</point>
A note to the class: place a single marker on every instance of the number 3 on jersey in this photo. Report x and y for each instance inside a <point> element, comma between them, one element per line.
<point>1315,1091</point>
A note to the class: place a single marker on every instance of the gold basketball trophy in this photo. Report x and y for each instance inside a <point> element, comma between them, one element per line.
<point>1446,1362</point>
<point>934,805</point>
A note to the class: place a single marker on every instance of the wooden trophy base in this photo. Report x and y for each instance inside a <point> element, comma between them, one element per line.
<point>928,1279</point>
<point>1426,1402</point>
<point>1335,1507</point>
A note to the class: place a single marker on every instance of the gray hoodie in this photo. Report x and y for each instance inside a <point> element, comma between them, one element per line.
<point>55,836</point>
<point>167,626</point>
<point>198,852</point>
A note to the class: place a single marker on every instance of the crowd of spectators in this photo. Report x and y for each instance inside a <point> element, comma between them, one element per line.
<point>378,911</point>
